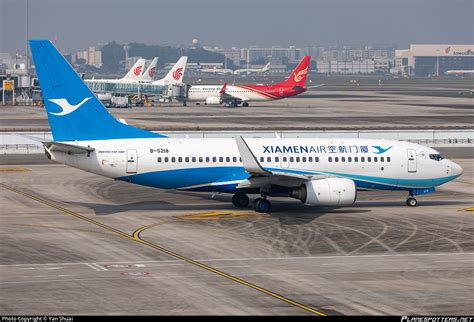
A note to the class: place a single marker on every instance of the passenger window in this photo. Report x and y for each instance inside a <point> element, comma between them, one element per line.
<point>159,159</point>
<point>194,159</point>
<point>297,159</point>
<point>227,159</point>
<point>330,159</point>
<point>186,159</point>
<point>180,159</point>
<point>173,159</point>
<point>262,159</point>
<point>234,159</point>
<point>269,159</point>
<point>349,159</point>
<point>214,159</point>
<point>362,159</point>
<point>388,159</point>
<point>310,159</point>
<point>381,159</point>
<point>336,159</point>
<point>207,159</point>
<point>316,159</point>
<point>166,159</point>
<point>369,159</point>
<point>303,159</point>
<point>221,159</point>
<point>285,159</point>
<point>292,159</point>
<point>200,159</point>
<point>376,159</point>
<point>277,159</point>
<point>343,159</point>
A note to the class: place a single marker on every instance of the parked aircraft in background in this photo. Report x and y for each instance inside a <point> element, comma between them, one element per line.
<point>233,95</point>
<point>459,72</point>
<point>224,71</point>
<point>252,70</point>
<point>150,73</point>
<point>318,172</point>
<point>175,75</point>
<point>132,76</point>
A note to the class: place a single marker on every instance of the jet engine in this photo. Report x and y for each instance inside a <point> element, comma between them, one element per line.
<point>213,100</point>
<point>331,192</point>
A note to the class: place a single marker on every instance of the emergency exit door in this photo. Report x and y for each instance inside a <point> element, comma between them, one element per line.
<point>411,154</point>
<point>132,161</point>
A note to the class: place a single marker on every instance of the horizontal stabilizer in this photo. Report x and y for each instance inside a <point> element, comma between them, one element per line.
<point>67,148</point>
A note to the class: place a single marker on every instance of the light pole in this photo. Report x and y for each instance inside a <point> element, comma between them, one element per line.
<point>26,43</point>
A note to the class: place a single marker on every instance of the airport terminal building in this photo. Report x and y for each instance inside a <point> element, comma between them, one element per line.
<point>434,60</point>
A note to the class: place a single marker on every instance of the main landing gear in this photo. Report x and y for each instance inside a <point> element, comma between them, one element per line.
<point>411,201</point>
<point>261,205</point>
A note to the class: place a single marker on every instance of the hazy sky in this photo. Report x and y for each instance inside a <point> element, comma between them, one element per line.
<point>80,23</point>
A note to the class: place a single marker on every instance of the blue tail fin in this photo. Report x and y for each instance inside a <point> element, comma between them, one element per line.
<point>74,112</point>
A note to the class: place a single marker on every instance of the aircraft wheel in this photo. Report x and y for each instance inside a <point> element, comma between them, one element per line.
<point>240,200</point>
<point>261,205</point>
<point>412,202</point>
<point>245,104</point>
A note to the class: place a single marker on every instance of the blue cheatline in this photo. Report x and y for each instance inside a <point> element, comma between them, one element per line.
<point>74,112</point>
<point>224,179</point>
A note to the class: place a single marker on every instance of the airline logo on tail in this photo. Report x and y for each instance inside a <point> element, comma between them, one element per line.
<point>66,107</point>
<point>151,72</point>
<point>138,70</point>
<point>299,76</point>
<point>178,73</point>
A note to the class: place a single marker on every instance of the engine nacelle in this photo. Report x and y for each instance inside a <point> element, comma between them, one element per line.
<point>213,100</point>
<point>331,192</point>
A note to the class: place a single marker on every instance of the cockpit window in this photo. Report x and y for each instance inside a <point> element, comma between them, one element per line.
<point>436,157</point>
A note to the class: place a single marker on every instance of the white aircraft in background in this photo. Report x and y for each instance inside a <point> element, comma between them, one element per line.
<point>252,70</point>
<point>459,72</point>
<point>175,75</point>
<point>224,71</point>
<point>132,76</point>
<point>149,75</point>
<point>318,172</point>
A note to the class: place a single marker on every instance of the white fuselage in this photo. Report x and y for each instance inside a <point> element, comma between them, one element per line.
<point>173,163</point>
<point>202,93</point>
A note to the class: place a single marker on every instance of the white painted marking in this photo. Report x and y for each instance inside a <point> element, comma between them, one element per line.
<point>257,259</point>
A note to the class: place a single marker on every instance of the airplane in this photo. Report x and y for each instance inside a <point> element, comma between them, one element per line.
<point>233,95</point>
<point>252,70</point>
<point>132,76</point>
<point>318,172</point>
<point>459,72</point>
<point>149,75</point>
<point>225,71</point>
<point>175,75</point>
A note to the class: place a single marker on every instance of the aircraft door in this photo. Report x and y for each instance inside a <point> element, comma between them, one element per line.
<point>285,162</point>
<point>411,160</point>
<point>132,161</point>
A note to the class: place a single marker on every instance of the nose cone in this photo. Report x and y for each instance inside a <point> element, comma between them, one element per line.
<point>456,169</point>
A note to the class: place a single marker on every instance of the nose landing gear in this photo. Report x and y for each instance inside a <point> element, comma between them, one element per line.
<point>411,201</point>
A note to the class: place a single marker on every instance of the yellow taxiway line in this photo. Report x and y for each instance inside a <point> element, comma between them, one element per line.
<point>136,237</point>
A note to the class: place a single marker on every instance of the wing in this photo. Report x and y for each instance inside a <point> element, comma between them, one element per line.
<point>264,177</point>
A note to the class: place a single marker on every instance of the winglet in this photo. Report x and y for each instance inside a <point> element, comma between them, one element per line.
<point>222,91</point>
<point>249,161</point>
